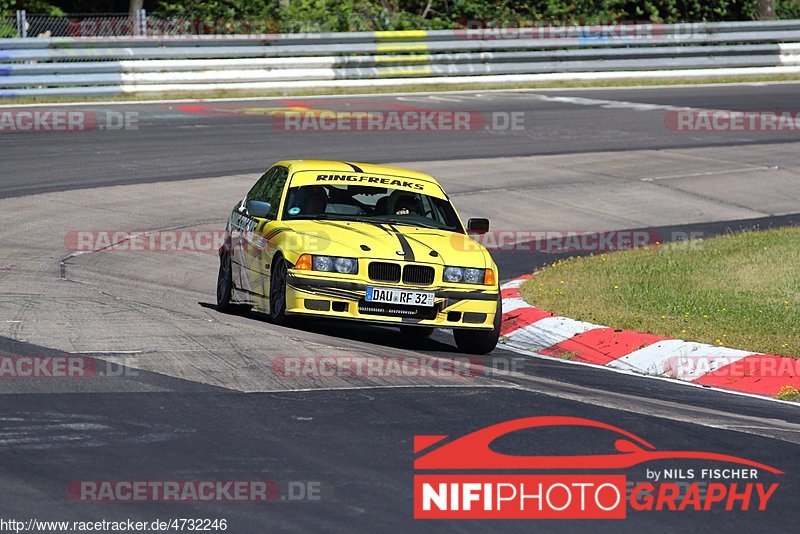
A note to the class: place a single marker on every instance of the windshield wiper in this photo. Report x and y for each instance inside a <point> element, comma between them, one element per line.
<point>421,225</point>
<point>345,218</point>
<point>324,217</point>
<point>367,220</point>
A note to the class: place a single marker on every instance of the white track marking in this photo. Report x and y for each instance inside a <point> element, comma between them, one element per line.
<point>603,368</point>
<point>674,358</point>
<point>547,332</point>
<point>514,283</point>
<point>709,173</point>
<point>509,305</point>
<point>617,104</point>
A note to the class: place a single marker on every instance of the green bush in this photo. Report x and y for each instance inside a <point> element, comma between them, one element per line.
<point>355,15</point>
<point>239,16</point>
<point>218,9</point>
<point>333,15</point>
<point>6,30</point>
<point>32,7</point>
<point>787,9</point>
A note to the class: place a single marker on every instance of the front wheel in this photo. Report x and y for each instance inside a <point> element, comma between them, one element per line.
<point>277,292</point>
<point>480,341</point>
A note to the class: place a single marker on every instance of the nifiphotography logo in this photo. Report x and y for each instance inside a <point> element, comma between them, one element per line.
<point>467,478</point>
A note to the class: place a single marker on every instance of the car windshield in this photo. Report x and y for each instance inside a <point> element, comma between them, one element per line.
<point>380,205</point>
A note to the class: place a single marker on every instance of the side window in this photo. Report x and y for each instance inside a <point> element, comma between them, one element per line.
<point>275,189</point>
<point>259,191</point>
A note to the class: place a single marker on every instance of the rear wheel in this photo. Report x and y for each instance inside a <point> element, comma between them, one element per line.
<point>480,341</point>
<point>225,286</point>
<point>416,332</point>
<point>277,292</point>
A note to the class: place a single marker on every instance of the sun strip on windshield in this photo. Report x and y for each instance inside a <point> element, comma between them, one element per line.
<point>403,183</point>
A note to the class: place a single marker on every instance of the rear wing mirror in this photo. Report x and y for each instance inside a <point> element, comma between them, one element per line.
<point>477,226</point>
<point>256,208</point>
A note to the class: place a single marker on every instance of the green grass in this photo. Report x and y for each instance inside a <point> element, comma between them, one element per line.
<point>739,290</point>
<point>788,393</point>
<point>566,84</point>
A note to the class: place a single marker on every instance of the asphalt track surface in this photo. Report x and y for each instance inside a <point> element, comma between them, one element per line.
<point>171,144</point>
<point>357,442</point>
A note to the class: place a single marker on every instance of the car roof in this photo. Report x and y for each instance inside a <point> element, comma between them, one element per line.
<point>296,165</point>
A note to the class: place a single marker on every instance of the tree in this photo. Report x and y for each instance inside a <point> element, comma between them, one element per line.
<point>134,6</point>
<point>766,9</point>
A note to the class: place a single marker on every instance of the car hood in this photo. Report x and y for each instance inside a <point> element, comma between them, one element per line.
<point>385,241</point>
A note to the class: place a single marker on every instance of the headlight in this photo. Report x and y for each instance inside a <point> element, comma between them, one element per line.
<point>332,264</point>
<point>468,275</point>
<point>473,276</point>
<point>322,263</point>
<point>453,274</point>
<point>346,265</point>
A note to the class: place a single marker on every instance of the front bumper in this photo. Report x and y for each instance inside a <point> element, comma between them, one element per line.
<point>336,297</point>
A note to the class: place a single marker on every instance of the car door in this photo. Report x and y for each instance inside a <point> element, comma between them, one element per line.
<point>260,250</point>
<point>242,226</point>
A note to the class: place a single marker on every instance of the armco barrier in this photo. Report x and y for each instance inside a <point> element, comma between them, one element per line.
<point>116,65</point>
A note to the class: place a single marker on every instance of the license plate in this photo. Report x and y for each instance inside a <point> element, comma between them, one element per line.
<point>403,297</point>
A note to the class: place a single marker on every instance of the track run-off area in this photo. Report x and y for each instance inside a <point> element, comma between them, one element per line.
<point>195,394</point>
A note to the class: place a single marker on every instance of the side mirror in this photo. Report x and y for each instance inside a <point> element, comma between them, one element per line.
<point>477,226</point>
<point>258,209</point>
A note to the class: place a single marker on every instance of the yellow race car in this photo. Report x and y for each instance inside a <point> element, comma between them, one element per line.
<point>360,242</point>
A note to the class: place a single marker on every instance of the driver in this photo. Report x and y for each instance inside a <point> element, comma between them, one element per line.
<point>405,205</point>
<point>315,201</point>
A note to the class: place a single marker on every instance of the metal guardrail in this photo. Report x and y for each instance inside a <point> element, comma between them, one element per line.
<point>120,65</point>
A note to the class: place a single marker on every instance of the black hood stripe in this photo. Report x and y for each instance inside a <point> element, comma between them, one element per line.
<point>415,240</point>
<point>382,227</point>
<point>408,252</point>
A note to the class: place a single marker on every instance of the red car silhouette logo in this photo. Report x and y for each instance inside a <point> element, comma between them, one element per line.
<point>473,450</point>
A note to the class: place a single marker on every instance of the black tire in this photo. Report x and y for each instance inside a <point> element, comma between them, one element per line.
<point>480,341</point>
<point>224,282</point>
<point>225,287</point>
<point>277,292</point>
<point>416,332</point>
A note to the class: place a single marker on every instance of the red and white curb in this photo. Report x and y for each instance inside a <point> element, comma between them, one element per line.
<point>529,330</point>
